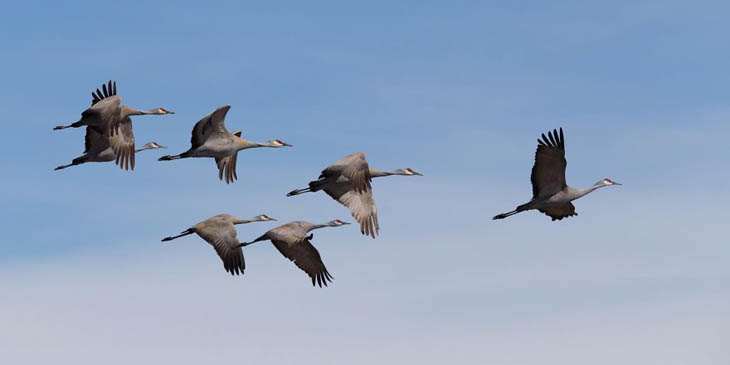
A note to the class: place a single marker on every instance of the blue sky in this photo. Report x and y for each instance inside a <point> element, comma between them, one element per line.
<point>458,91</point>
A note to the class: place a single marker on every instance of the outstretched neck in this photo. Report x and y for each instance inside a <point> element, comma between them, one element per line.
<point>242,221</point>
<point>582,192</point>
<point>380,173</point>
<point>128,111</point>
<point>317,226</point>
<point>243,144</point>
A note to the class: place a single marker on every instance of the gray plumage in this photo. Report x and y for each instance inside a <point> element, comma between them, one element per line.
<point>550,193</point>
<point>292,241</point>
<point>219,232</point>
<point>98,148</point>
<point>211,138</point>
<point>349,182</point>
<point>108,117</point>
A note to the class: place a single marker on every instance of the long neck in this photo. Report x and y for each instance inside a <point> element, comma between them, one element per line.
<point>582,192</point>
<point>380,173</point>
<point>317,226</point>
<point>242,221</point>
<point>127,111</point>
<point>144,148</point>
<point>243,144</point>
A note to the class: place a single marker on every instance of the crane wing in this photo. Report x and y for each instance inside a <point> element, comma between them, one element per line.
<point>211,124</point>
<point>222,236</point>
<point>361,205</point>
<point>559,211</point>
<point>354,167</point>
<point>548,172</point>
<point>94,141</point>
<point>99,96</point>
<point>122,144</point>
<point>227,165</point>
<point>305,256</point>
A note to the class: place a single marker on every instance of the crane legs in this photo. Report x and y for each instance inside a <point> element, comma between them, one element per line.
<point>298,191</point>
<point>72,125</point>
<point>183,233</point>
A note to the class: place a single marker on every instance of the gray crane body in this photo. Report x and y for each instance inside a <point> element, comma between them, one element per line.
<point>348,181</point>
<point>292,241</point>
<point>550,193</point>
<point>220,232</point>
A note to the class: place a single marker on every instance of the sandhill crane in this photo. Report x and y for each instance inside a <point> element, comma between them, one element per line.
<point>292,241</point>
<point>220,232</point>
<point>107,112</point>
<point>98,148</point>
<point>210,138</point>
<point>348,182</point>
<point>550,194</point>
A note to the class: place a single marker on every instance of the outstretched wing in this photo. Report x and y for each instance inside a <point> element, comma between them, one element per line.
<point>560,211</point>
<point>122,144</point>
<point>211,124</point>
<point>227,166</point>
<point>548,172</point>
<point>354,167</point>
<point>361,205</point>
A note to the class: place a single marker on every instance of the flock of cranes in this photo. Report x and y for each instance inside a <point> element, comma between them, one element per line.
<point>110,137</point>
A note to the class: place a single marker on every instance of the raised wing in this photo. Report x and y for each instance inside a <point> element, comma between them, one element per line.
<point>558,212</point>
<point>227,166</point>
<point>354,167</point>
<point>122,143</point>
<point>306,257</point>
<point>361,205</point>
<point>110,91</point>
<point>211,124</point>
<point>548,172</point>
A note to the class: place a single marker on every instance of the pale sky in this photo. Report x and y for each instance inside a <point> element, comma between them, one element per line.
<point>458,91</point>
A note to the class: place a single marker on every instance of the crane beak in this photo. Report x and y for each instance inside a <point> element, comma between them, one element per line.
<point>161,146</point>
<point>616,183</point>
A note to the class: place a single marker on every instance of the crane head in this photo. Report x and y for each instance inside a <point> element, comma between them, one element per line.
<point>337,222</point>
<point>609,182</point>
<point>162,111</point>
<point>278,143</point>
<point>264,217</point>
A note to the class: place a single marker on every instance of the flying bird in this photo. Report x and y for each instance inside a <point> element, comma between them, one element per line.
<point>111,119</point>
<point>220,232</point>
<point>210,138</point>
<point>348,182</point>
<point>107,112</point>
<point>98,148</point>
<point>550,194</point>
<point>292,241</point>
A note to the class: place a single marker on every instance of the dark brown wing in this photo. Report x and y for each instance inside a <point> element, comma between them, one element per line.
<point>110,91</point>
<point>94,140</point>
<point>122,144</point>
<point>548,172</point>
<point>306,257</point>
<point>227,165</point>
<point>560,211</point>
<point>212,123</point>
